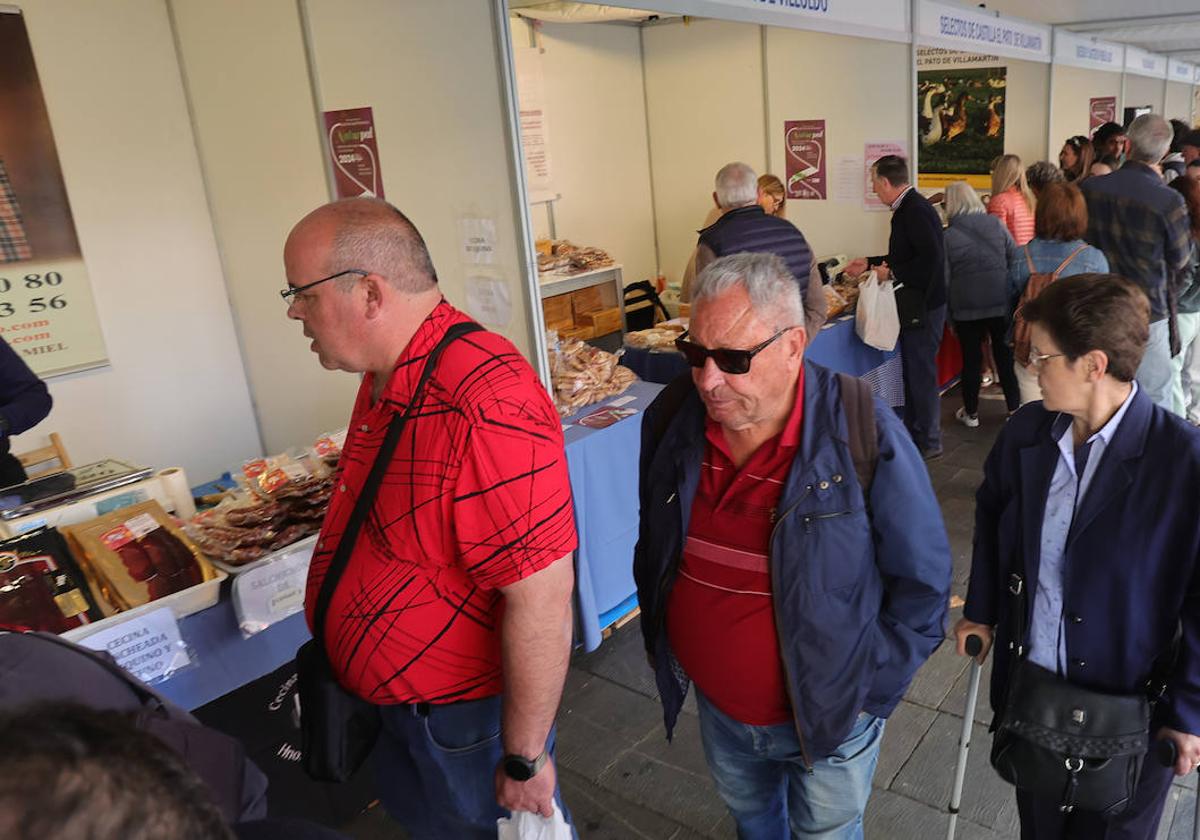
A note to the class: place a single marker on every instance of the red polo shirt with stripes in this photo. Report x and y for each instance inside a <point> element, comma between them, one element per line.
<point>476,497</point>
<point>721,615</point>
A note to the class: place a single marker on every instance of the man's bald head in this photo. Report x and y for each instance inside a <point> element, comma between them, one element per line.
<point>372,235</point>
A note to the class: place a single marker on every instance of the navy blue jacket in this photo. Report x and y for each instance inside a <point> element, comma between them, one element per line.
<point>24,399</point>
<point>917,249</point>
<point>860,603</point>
<point>1130,566</point>
<point>750,229</point>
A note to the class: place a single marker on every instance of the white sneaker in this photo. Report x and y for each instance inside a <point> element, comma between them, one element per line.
<point>971,421</point>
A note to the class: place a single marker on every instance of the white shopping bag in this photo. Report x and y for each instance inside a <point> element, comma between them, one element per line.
<point>523,825</point>
<point>876,320</point>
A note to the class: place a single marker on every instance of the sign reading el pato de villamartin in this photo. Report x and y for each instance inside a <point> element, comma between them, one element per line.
<point>47,314</point>
<point>353,153</point>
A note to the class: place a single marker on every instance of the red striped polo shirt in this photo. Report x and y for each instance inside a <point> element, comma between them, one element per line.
<point>721,616</point>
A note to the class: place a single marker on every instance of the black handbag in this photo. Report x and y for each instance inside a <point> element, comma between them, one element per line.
<point>338,729</point>
<point>1058,740</point>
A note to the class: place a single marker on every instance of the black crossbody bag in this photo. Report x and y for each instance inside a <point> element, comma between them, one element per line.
<point>1058,740</point>
<point>338,729</point>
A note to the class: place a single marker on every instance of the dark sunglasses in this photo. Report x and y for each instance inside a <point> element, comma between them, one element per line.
<point>290,292</point>
<point>728,361</point>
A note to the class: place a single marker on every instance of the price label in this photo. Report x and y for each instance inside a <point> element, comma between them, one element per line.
<point>271,592</point>
<point>148,645</point>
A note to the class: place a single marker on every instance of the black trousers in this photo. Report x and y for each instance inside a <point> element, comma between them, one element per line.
<point>11,471</point>
<point>1041,819</point>
<point>970,336</point>
<point>922,397</point>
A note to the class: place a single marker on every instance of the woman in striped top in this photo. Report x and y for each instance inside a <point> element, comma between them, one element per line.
<point>1012,200</point>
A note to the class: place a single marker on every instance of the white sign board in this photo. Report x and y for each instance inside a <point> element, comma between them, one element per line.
<point>271,592</point>
<point>147,645</point>
<point>954,27</point>
<point>1181,71</point>
<point>1142,63</point>
<point>884,19</point>
<point>1089,53</point>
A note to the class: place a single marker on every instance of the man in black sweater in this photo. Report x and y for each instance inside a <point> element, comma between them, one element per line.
<point>24,402</point>
<point>916,263</point>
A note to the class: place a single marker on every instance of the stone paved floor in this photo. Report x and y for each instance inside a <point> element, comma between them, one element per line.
<point>623,781</point>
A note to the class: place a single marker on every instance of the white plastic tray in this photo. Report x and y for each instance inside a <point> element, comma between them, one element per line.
<point>182,604</point>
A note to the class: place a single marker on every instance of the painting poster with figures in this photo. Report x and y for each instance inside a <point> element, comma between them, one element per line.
<point>47,314</point>
<point>960,122</point>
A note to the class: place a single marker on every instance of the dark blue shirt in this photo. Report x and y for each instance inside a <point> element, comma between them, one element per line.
<point>24,399</point>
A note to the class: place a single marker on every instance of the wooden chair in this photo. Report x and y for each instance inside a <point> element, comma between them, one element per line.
<point>56,451</point>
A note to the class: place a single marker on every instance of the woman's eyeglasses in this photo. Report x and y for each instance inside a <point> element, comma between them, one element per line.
<point>726,359</point>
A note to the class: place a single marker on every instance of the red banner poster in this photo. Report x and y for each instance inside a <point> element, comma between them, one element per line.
<point>353,154</point>
<point>1101,110</point>
<point>804,147</point>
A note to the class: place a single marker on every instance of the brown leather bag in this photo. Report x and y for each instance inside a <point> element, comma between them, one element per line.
<point>1037,282</point>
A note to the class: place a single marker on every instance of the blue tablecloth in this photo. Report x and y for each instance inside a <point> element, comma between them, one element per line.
<point>836,346</point>
<point>224,661</point>
<point>604,482</point>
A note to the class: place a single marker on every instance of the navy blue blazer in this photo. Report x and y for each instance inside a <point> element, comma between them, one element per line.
<point>1131,558</point>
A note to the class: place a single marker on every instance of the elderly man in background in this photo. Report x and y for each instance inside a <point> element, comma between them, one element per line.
<point>744,226</point>
<point>791,558</point>
<point>453,613</point>
<point>1142,227</point>
<point>916,260</point>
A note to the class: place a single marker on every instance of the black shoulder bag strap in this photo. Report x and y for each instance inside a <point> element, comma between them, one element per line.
<point>370,488</point>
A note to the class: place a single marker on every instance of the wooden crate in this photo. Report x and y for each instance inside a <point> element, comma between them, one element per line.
<point>603,321</point>
<point>585,301</point>
<point>557,310</point>
<point>579,333</point>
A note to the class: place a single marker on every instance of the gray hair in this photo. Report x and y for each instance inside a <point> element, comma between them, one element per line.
<point>962,200</point>
<point>1149,138</point>
<point>736,185</point>
<point>774,292</point>
<point>374,236</point>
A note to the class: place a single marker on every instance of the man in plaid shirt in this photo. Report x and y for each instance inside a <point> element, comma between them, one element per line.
<point>1142,226</point>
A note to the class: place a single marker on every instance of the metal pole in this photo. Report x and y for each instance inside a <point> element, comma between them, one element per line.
<point>973,645</point>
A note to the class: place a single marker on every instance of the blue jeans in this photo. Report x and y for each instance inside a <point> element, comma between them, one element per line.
<point>435,771</point>
<point>1155,373</point>
<point>761,775</point>
<point>922,397</point>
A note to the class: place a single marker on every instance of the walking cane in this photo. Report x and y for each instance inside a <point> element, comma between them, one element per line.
<point>1166,752</point>
<point>973,646</point>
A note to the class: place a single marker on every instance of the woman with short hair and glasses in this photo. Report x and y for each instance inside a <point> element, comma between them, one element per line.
<point>1085,556</point>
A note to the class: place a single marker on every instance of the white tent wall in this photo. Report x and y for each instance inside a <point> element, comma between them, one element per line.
<point>1141,91</point>
<point>252,108</point>
<point>430,71</point>
<point>174,391</point>
<point>1025,117</point>
<point>868,99</point>
<point>599,154</point>
<point>704,96</point>
<point>1178,105</point>
<point>1074,87</point>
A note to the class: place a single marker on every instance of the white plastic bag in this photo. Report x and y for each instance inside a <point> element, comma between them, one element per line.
<point>523,825</point>
<point>876,320</point>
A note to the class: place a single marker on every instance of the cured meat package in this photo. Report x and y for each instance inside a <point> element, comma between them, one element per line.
<point>137,554</point>
<point>41,587</point>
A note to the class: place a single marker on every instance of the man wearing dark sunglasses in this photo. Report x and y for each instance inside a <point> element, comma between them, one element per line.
<point>791,561</point>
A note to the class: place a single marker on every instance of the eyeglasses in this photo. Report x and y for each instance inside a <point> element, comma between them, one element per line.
<point>1036,360</point>
<point>290,292</point>
<point>727,360</point>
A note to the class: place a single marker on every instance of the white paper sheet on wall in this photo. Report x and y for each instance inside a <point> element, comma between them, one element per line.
<point>847,178</point>
<point>532,106</point>
<point>489,301</point>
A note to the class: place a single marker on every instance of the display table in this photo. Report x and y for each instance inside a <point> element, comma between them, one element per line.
<point>223,659</point>
<point>604,482</point>
<point>837,347</point>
